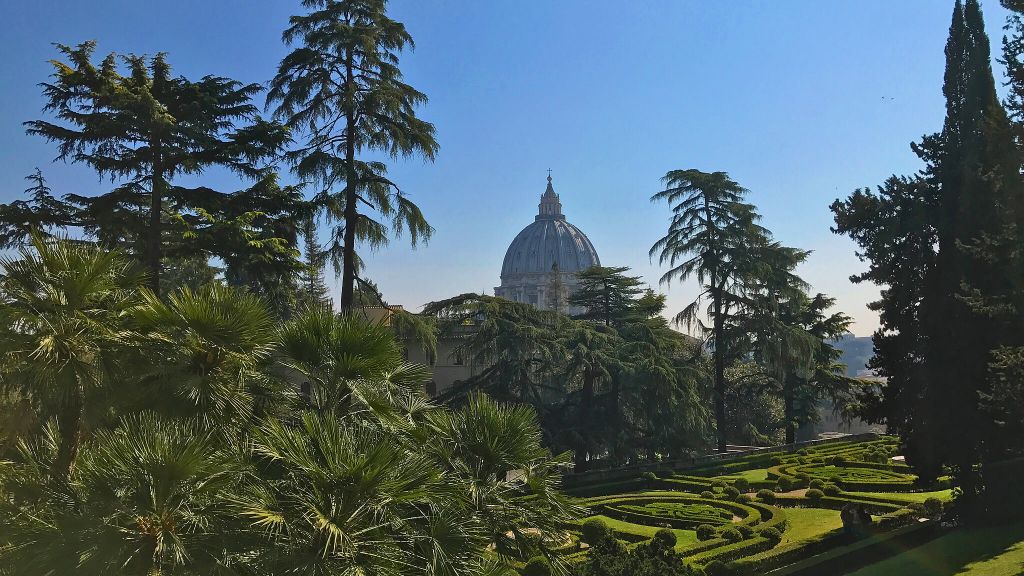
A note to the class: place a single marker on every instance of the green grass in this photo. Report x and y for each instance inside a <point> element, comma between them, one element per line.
<point>751,475</point>
<point>805,523</point>
<point>684,538</point>
<point>997,551</point>
<point>944,495</point>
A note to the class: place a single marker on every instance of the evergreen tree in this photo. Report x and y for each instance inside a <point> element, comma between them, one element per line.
<point>147,127</point>
<point>342,85</point>
<point>709,236</point>
<point>946,246</point>
<point>555,294</point>
<point>606,294</point>
<point>314,289</point>
<point>42,213</point>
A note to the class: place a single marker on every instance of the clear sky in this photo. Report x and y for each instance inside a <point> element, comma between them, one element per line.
<point>801,101</point>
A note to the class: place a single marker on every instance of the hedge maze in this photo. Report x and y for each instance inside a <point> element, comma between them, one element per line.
<point>741,525</point>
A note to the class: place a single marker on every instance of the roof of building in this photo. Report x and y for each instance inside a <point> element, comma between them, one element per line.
<point>548,241</point>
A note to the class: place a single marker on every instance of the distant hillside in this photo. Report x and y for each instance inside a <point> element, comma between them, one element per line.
<point>856,352</point>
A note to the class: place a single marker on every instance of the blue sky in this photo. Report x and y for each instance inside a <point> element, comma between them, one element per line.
<point>801,101</point>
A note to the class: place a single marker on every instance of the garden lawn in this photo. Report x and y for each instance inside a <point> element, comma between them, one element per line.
<point>997,551</point>
<point>684,538</point>
<point>806,523</point>
<point>754,475</point>
<point>944,495</point>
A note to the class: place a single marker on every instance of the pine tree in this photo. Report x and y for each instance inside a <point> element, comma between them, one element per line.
<point>342,85</point>
<point>556,292</point>
<point>709,236</point>
<point>606,294</point>
<point>148,127</point>
<point>42,212</point>
<point>314,289</point>
<point>946,246</point>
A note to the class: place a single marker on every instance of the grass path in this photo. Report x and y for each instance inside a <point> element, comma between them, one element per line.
<point>684,538</point>
<point>997,551</point>
<point>807,523</point>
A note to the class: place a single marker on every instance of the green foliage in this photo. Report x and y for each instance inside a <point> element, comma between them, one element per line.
<point>594,531</point>
<point>537,566</point>
<point>356,45</point>
<point>731,492</point>
<point>665,538</point>
<point>732,534</point>
<point>816,484</point>
<point>706,532</point>
<point>199,457</point>
<point>142,127</point>
<point>707,494</point>
<point>770,533</point>
<point>831,489</point>
<point>766,496</point>
<point>933,505</point>
<point>815,494</point>
<point>741,484</point>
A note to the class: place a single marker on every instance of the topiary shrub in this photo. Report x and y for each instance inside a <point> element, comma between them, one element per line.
<point>774,461</point>
<point>745,530</point>
<point>803,477</point>
<point>594,531</point>
<point>732,535</point>
<point>731,492</point>
<point>831,489</point>
<point>705,532</point>
<point>838,460</point>
<point>802,452</point>
<point>649,477</point>
<point>718,484</point>
<point>537,566</point>
<point>665,538</point>
<point>816,484</point>
<point>741,484</point>
<point>765,495</point>
<point>743,498</point>
<point>932,505</point>
<point>716,568</point>
<point>771,534</point>
<point>785,484</point>
<point>707,494</point>
<point>814,494</point>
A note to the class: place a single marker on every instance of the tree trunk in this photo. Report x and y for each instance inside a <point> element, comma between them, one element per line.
<point>351,216</point>
<point>70,423</point>
<point>582,426</point>
<point>719,358</point>
<point>153,238</point>
<point>788,410</point>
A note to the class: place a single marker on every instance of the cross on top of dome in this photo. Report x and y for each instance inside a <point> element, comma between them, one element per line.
<point>550,205</point>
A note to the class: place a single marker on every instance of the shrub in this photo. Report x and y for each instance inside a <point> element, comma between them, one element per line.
<point>594,531</point>
<point>718,484</point>
<point>745,530</point>
<point>741,484</point>
<point>766,496</point>
<point>649,476</point>
<point>785,484</point>
<point>774,461</point>
<point>802,452</point>
<point>771,533</point>
<point>707,494</point>
<point>732,535</point>
<point>803,477</point>
<point>716,568</point>
<point>705,532</point>
<point>815,494</point>
<point>665,537</point>
<point>933,505</point>
<point>537,566</point>
<point>731,492</point>
<point>743,498</point>
<point>831,489</point>
<point>838,460</point>
<point>816,484</point>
